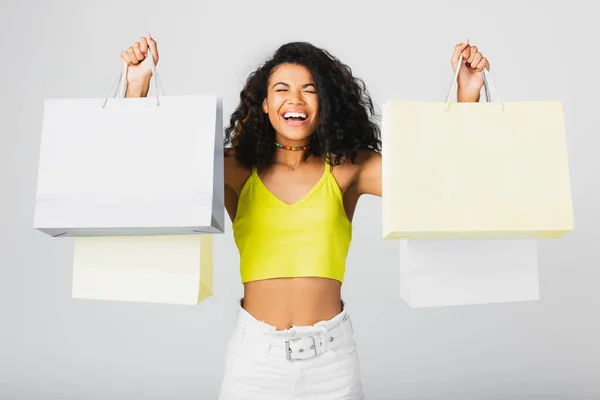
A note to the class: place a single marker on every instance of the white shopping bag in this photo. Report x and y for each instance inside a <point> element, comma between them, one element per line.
<point>131,166</point>
<point>172,269</point>
<point>436,273</point>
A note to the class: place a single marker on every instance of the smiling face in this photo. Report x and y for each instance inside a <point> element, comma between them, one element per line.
<point>292,104</point>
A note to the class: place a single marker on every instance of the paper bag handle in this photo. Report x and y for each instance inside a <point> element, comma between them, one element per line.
<point>122,82</point>
<point>487,84</point>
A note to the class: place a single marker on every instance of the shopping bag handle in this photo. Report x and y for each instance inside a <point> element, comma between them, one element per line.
<point>487,84</point>
<point>122,82</point>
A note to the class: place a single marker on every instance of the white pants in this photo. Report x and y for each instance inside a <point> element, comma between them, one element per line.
<point>303,362</point>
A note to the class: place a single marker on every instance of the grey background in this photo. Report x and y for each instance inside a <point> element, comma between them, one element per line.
<point>54,347</point>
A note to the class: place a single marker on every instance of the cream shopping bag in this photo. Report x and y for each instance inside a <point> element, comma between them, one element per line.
<point>487,170</point>
<point>172,269</point>
<point>436,273</point>
<point>131,166</point>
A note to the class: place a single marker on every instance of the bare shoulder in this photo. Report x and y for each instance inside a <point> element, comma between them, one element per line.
<point>366,157</point>
<point>363,157</point>
<point>235,173</point>
<point>361,176</point>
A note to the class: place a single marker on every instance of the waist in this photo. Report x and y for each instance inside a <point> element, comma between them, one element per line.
<point>284,302</point>
<point>296,342</point>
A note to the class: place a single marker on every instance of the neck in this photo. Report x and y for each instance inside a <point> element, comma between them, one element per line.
<point>291,157</point>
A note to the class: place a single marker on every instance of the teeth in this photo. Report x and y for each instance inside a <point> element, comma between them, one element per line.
<point>294,114</point>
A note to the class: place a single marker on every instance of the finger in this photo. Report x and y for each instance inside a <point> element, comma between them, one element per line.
<point>466,54</point>
<point>459,48</point>
<point>154,47</point>
<point>125,57</point>
<point>472,52</point>
<point>144,46</point>
<point>484,63</point>
<point>132,56</point>
<point>476,59</point>
<point>138,53</point>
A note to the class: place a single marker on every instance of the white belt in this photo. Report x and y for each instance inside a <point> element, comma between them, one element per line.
<point>305,347</point>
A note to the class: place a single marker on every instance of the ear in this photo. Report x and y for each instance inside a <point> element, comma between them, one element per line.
<point>265,106</point>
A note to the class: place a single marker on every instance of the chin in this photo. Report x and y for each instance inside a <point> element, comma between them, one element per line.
<point>294,136</point>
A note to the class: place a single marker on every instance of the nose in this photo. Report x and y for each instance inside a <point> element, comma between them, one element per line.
<point>295,97</point>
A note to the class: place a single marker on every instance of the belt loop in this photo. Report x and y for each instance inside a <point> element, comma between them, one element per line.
<point>322,341</point>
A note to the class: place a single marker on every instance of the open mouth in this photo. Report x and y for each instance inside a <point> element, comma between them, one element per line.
<point>295,117</point>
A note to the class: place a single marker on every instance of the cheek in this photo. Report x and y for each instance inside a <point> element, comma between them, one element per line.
<point>315,116</point>
<point>314,105</point>
<point>274,118</point>
<point>274,104</point>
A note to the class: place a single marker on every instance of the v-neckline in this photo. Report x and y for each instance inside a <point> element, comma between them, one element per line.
<point>301,200</point>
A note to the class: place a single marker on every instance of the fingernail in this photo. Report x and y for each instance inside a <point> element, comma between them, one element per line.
<point>148,35</point>
<point>466,41</point>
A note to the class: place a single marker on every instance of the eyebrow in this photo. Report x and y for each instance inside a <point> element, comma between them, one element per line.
<point>303,86</point>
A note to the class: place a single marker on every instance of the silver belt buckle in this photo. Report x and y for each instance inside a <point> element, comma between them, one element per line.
<point>288,349</point>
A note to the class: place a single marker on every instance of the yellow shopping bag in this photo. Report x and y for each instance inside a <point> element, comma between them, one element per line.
<point>169,269</point>
<point>489,170</point>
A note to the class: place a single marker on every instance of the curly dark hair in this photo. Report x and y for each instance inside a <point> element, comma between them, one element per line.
<point>347,116</point>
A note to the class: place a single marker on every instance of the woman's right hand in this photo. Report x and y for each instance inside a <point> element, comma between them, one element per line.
<point>136,58</point>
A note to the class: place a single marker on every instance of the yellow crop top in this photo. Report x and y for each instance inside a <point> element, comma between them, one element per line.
<point>308,238</point>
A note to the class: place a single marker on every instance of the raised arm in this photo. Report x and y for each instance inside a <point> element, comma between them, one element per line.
<point>368,180</point>
<point>139,70</point>
<point>139,73</point>
<point>470,82</point>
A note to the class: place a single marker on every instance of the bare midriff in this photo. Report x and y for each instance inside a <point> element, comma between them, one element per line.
<point>286,302</point>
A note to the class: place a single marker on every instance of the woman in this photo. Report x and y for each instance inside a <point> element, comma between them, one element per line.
<point>304,148</point>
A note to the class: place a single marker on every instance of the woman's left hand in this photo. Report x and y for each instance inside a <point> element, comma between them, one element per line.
<point>470,79</point>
